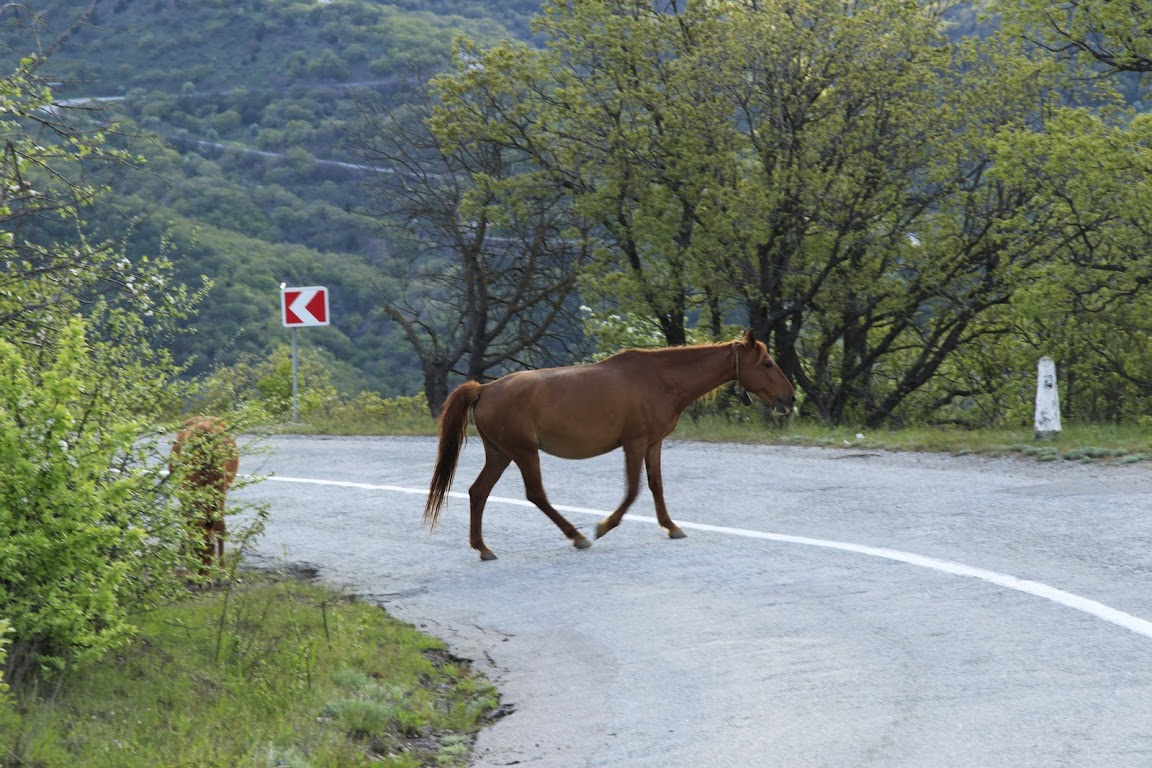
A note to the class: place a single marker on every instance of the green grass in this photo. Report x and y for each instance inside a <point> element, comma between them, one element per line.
<point>1077,442</point>
<point>272,673</point>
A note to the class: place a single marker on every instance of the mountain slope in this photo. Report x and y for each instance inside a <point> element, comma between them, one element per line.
<point>246,100</point>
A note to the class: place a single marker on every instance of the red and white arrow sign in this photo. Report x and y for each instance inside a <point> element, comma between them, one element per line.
<point>300,307</point>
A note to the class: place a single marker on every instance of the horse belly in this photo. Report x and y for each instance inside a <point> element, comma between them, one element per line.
<point>591,431</point>
<point>575,446</point>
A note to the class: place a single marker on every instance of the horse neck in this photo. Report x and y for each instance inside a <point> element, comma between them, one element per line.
<point>693,372</point>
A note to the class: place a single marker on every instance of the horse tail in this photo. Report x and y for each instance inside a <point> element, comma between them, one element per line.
<point>453,435</point>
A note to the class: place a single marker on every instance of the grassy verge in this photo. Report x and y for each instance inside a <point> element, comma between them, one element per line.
<point>268,673</point>
<point>1077,442</point>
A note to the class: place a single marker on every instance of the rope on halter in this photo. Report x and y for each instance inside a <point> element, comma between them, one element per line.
<point>738,387</point>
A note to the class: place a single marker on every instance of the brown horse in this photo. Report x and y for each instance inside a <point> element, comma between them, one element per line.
<point>206,460</point>
<point>631,400</point>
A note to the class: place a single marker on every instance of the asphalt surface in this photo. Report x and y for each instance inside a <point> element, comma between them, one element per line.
<point>840,608</point>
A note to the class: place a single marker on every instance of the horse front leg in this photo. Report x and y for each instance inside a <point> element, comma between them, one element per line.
<point>656,485</point>
<point>206,548</point>
<point>534,490</point>
<point>495,463</point>
<point>633,457</point>
<point>219,532</point>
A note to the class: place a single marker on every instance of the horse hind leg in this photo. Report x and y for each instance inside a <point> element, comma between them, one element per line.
<point>495,463</point>
<point>534,490</point>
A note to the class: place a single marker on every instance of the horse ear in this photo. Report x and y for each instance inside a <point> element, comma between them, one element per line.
<point>749,337</point>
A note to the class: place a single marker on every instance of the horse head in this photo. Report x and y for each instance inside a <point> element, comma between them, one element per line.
<point>759,375</point>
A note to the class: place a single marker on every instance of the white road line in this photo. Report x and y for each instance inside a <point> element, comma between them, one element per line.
<point>1035,588</point>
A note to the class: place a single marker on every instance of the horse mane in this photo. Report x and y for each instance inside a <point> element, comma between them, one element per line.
<point>675,348</point>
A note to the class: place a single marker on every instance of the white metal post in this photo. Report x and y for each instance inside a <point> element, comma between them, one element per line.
<point>295,386</point>
<point>1047,400</point>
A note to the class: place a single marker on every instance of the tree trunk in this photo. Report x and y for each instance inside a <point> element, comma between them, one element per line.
<point>435,385</point>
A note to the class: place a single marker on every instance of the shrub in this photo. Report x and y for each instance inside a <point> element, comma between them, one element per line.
<point>87,533</point>
<point>369,412</point>
<point>261,387</point>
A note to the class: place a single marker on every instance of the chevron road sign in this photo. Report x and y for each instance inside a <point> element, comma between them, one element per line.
<point>304,307</point>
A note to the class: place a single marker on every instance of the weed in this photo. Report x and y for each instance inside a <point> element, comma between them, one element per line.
<point>266,673</point>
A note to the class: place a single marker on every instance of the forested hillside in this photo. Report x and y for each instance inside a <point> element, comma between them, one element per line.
<point>247,104</point>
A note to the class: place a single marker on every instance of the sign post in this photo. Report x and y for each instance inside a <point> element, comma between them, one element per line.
<point>301,307</point>
<point>1047,400</point>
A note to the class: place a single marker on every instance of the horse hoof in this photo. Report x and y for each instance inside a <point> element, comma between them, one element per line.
<point>581,542</point>
<point>602,528</point>
<point>488,555</point>
<point>676,533</point>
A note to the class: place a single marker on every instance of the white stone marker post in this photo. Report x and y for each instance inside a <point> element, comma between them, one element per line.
<point>1047,400</point>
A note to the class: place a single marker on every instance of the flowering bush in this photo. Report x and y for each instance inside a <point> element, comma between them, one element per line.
<point>87,532</point>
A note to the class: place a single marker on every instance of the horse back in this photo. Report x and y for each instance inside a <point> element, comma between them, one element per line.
<point>208,452</point>
<point>572,412</point>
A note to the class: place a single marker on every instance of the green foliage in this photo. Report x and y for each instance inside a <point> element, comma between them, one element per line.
<point>247,220</point>
<point>266,674</point>
<point>275,43</point>
<point>258,391</point>
<point>315,390</point>
<point>369,413</point>
<point>496,251</point>
<point>1087,305</point>
<point>87,535</point>
<point>761,164</point>
<point>612,331</point>
<point>4,640</point>
<point>1111,35</point>
<point>51,269</point>
<point>262,386</point>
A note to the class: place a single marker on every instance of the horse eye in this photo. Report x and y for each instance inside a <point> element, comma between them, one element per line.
<point>768,364</point>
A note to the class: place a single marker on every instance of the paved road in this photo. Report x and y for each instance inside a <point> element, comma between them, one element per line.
<point>840,608</point>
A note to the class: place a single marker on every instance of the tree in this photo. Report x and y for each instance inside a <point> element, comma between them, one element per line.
<point>1115,35</point>
<point>486,276</point>
<point>858,224</point>
<point>635,137</point>
<point>612,115</point>
<point>1088,307</point>
<point>44,163</point>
